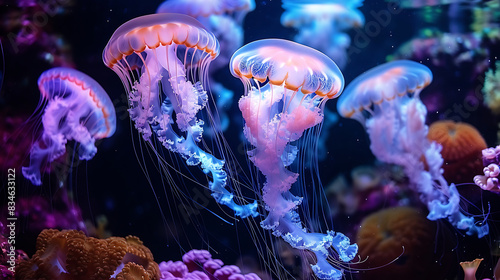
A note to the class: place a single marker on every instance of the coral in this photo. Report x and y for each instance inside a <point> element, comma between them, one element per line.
<point>59,212</point>
<point>445,52</point>
<point>9,257</point>
<point>486,18</point>
<point>488,181</point>
<point>365,178</point>
<point>198,264</point>
<point>399,244</point>
<point>99,229</point>
<point>70,254</point>
<point>23,30</point>
<point>491,162</point>
<point>491,90</point>
<point>470,268</point>
<point>462,145</point>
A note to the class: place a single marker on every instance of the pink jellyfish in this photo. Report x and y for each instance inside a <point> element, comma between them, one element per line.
<point>162,60</point>
<point>77,108</point>
<point>298,82</point>
<point>386,101</point>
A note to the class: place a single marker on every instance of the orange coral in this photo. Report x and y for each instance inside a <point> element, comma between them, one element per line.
<point>398,243</point>
<point>70,254</point>
<point>462,146</point>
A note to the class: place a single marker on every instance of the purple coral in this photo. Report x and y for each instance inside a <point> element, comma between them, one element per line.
<point>199,265</point>
<point>491,161</point>
<point>9,256</point>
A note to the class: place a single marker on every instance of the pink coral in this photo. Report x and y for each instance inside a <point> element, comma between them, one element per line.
<point>491,161</point>
<point>489,180</point>
<point>199,265</point>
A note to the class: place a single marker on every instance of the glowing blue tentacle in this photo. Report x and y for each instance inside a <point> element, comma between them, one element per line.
<point>194,155</point>
<point>271,131</point>
<point>186,100</point>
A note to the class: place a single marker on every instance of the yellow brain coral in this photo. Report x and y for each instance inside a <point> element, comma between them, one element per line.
<point>71,255</point>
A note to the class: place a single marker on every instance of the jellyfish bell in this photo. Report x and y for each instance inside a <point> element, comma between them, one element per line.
<point>322,24</point>
<point>162,60</point>
<point>343,14</point>
<point>76,108</point>
<point>286,87</point>
<point>386,101</point>
<point>203,8</point>
<point>282,63</point>
<point>162,48</point>
<point>401,79</point>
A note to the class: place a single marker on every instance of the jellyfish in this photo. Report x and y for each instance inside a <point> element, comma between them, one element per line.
<point>322,24</point>
<point>162,60</point>
<point>77,108</point>
<point>298,80</point>
<point>224,18</point>
<point>386,101</point>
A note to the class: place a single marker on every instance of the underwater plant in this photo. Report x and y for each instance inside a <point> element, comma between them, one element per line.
<point>286,88</point>
<point>75,107</point>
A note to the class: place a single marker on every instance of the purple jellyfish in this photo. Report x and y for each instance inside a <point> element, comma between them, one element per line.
<point>162,60</point>
<point>386,101</point>
<point>224,18</point>
<point>77,108</point>
<point>286,88</point>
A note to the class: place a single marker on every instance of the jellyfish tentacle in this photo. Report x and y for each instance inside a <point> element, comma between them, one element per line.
<point>282,218</point>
